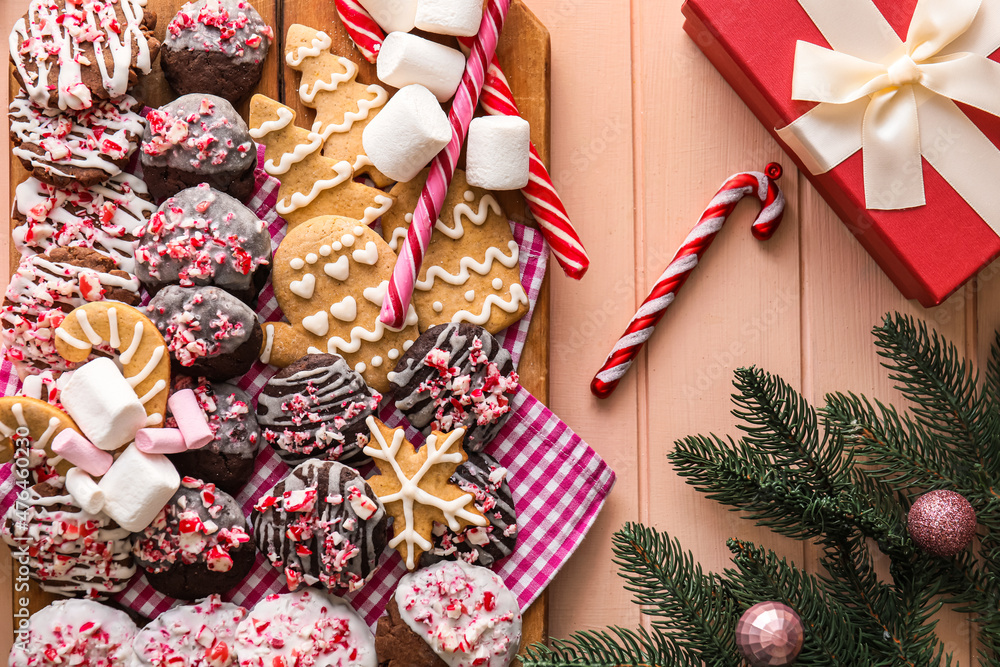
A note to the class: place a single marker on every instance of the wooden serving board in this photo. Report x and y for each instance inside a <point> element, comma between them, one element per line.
<point>524,52</point>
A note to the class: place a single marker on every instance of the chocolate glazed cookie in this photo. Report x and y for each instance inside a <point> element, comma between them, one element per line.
<point>456,375</point>
<point>317,407</point>
<point>322,525</point>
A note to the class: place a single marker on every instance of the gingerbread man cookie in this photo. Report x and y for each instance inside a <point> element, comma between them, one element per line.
<point>32,424</point>
<point>143,355</point>
<point>343,106</point>
<point>330,276</point>
<point>470,273</point>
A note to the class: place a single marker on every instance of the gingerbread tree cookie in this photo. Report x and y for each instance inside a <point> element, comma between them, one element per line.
<point>311,184</point>
<point>343,106</point>
<point>470,272</point>
<point>330,276</point>
<point>416,488</point>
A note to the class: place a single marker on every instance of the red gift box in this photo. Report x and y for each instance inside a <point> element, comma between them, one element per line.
<point>928,251</point>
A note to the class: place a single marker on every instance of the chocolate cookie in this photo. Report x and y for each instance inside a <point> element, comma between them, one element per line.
<point>202,634</point>
<point>322,525</point>
<point>208,331</point>
<point>69,551</point>
<point>228,460</point>
<point>75,632</point>
<point>216,46</point>
<point>201,236</point>
<point>65,147</point>
<point>306,627</point>
<point>456,375</point>
<point>197,545</point>
<point>71,54</point>
<point>46,287</point>
<point>198,139</point>
<point>459,611</point>
<point>486,480</point>
<point>103,217</point>
<point>316,408</point>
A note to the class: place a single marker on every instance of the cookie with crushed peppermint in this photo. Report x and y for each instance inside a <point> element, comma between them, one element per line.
<point>202,634</point>
<point>197,545</point>
<point>201,236</point>
<point>195,139</point>
<point>208,331</point>
<point>69,551</point>
<point>216,46</point>
<point>316,408</point>
<point>75,632</point>
<point>322,526</point>
<point>65,147</point>
<point>456,375</point>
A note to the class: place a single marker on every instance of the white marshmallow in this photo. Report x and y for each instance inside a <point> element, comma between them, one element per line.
<point>407,59</point>
<point>406,135</point>
<point>137,487</point>
<point>392,15</point>
<point>449,17</point>
<point>103,404</point>
<point>498,154</point>
<point>84,491</point>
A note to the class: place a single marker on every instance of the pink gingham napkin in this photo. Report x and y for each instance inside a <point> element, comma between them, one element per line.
<point>559,483</point>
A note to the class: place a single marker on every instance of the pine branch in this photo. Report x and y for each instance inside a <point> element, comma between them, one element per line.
<point>942,387</point>
<point>614,647</point>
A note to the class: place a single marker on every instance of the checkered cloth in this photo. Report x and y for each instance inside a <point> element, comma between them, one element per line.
<point>559,483</point>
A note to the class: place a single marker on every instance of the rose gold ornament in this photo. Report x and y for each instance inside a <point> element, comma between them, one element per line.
<point>769,634</point>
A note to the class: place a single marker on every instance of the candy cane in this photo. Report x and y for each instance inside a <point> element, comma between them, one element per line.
<point>362,28</point>
<point>651,311</point>
<point>497,100</point>
<point>418,236</point>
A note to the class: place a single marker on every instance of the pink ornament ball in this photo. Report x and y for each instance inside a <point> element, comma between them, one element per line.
<point>770,634</point>
<point>942,522</point>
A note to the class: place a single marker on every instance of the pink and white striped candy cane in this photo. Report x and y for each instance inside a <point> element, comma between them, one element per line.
<point>543,200</point>
<point>665,290</point>
<point>362,28</point>
<point>418,237</point>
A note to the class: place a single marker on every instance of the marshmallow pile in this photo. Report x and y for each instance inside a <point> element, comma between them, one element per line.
<point>412,128</point>
<point>136,478</point>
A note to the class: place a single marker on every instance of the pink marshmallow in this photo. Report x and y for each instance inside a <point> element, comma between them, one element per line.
<point>160,441</point>
<point>81,452</point>
<point>190,418</point>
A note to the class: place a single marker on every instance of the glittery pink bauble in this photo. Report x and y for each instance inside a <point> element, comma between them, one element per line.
<point>769,634</point>
<point>942,522</point>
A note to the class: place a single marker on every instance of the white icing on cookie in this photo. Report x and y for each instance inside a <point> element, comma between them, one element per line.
<point>303,288</point>
<point>345,310</point>
<point>339,270</point>
<point>318,324</point>
<point>517,299</point>
<point>299,200</point>
<point>320,43</point>
<point>367,256</point>
<point>285,117</point>
<point>493,254</point>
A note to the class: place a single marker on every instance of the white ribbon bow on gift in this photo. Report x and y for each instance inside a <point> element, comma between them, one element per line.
<point>893,99</point>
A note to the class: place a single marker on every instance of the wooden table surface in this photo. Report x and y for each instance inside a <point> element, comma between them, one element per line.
<point>644,132</point>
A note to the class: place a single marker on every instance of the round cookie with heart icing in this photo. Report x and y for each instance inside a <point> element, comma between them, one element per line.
<point>197,139</point>
<point>216,46</point>
<point>322,525</point>
<point>486,480</point>
<point>316,408</point>
<point>76,632</point>
<point>71,54</point>
<point>208,331</point>
<point>471,271</point>
<point>450,615</point>
<point>197,545</point>
<point>228,460</point>
<point>330,276</point>
<point>456,375</point>
<point>27,428</point>
<point>69,551</point>
<point>201,236</point>
<point>40,293</point>
<point>103,217</point>
<point>202,634</point>
<point>305,627</point>
<point>66,147</point>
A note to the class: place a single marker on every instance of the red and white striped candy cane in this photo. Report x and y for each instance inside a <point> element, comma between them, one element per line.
<point>497,100</point>
<point>362,28</point>
<point>411,254</point>
<point>651,311</point>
